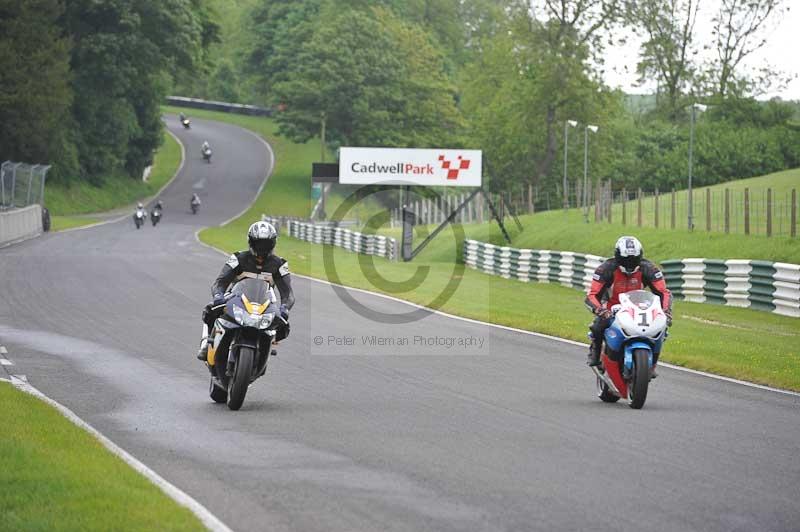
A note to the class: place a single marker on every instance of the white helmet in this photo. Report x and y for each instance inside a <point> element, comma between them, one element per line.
<point>262,237</point>
<point>628,253</point>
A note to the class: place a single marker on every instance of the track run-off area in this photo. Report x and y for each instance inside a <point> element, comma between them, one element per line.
<point>342,435</point>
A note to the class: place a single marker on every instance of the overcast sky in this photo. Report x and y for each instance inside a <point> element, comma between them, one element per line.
<point>782,51</point>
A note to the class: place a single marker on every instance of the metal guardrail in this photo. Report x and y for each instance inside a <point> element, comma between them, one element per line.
<point>757,284</point>
<point>334,235</point>
<point>211,105</point>
<point>761,285</point>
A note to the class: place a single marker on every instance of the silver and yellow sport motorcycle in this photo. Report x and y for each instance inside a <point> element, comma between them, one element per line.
<point>243,337</point>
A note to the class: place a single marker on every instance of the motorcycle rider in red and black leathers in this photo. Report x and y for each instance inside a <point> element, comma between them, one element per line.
<point>259,259</point>
<point>626,271</point>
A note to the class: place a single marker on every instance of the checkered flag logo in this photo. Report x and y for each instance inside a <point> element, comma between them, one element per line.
<point>454,167</point>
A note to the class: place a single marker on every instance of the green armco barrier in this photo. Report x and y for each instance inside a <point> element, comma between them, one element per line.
<point>760,285</point>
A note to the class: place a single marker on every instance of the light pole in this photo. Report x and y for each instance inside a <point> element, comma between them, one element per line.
<point>567,125</point>
<point>696,107</point>
<point>586,131</point>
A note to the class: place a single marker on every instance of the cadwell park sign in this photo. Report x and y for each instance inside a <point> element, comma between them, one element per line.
<point>403,166</point>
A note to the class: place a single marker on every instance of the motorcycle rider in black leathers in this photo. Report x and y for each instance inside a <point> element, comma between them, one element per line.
<point>261,237</point>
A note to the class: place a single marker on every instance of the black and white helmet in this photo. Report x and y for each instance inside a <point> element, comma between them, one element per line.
<point>628,253</point>
<point>262,237</point>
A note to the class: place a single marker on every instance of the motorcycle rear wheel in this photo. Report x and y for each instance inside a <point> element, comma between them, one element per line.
<point>604,393</point>
<point>641,379</point>
<point>238,383</point>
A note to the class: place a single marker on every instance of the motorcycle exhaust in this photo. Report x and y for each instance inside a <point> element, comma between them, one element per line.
<point>606,379</point>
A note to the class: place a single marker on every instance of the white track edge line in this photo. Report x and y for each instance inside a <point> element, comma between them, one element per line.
<point>263,182</point>
<point>175,493</point>
<point>462,318</point>
<point>523,331</point>
<point>146,200</point>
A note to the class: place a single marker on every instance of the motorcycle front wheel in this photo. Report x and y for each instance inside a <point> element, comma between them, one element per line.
<point>238,383</point>
<point>641,379</point>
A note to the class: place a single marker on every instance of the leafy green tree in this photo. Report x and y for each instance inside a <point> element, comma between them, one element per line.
<point>383,85</point>
<point>34,75</point>
<point>122,51</point>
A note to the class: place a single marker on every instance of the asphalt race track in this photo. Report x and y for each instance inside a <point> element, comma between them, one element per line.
<point>506,436</point>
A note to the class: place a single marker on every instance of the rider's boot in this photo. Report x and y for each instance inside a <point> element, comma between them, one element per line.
<point>594,353</point>
<point>653,373</point>
<point>202,353</point>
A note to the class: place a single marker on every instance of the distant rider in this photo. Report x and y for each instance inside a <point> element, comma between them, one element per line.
<point>182,117</point>
<point>206,146</point>
<point>625,272</point>
<point>140,211</point>
<point>195,199</point>
<point>157,208</point>
<point>259,258</point>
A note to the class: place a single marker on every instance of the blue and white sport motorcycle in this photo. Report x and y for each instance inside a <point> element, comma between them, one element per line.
<point>632,345</point>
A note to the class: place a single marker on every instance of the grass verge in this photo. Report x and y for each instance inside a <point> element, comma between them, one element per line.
<point>767,346</point>
<point>55,476</point>
<point>68,203</point>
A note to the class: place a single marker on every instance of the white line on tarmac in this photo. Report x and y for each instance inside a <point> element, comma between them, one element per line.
<point>530,333</point>
<point>3,350</point>
<point>176,494</point>
<point>6,362</point>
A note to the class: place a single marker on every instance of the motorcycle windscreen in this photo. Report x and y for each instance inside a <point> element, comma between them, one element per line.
<point>255,290</point>
<point>641,298</point>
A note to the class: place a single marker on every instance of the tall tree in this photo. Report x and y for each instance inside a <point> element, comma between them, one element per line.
<point>122,52</point>
<point>738,29</point>
<point>34,76</point>
<point>667,54</point>
<point>383,85</point>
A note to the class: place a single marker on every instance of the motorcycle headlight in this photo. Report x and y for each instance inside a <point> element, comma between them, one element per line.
<point>266,320</point>
<point>246,319</point>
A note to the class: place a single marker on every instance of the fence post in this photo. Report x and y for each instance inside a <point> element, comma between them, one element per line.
<point>624,202</point>
<point>530,198</point>
<point>793,216</point>
<point>769,212</point>
<point>708,209</point>
<point>610,202</point>
<point>747,211</point>
<point>727,211</point>
<point>597,202</point>
<point>639,207</point>
<point>656,209</point>
<point>672,219</point>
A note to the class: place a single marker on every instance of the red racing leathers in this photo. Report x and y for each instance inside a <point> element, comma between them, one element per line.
<point>608,282</point>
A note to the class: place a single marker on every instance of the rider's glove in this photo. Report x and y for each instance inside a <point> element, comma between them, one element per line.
<point>668,314</point>
<point>604,313</point>
<point>219,299</point>
<point>284,312</point>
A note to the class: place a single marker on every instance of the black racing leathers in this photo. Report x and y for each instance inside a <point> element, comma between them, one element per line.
<point>243,262</point>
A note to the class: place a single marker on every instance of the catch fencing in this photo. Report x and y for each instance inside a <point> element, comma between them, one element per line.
<point>22,184</point>
<point>332,234</point>
<point>760,285</point>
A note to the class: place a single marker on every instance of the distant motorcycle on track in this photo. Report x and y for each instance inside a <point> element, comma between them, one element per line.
<point>155,216</point>
<point>138,218</point>
<point>194,204</point>
<point>207,155</point>
<point>187,124</point>
<point>242,339</point>
<point>632,345</point>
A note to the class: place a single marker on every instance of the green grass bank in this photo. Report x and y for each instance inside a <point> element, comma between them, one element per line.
<point>68,205</point>
<point>767,348</point>
<point>57,477</point>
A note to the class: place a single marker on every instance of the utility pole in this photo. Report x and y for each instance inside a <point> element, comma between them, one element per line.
<point>567,125</point>
<point>324,189</point>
